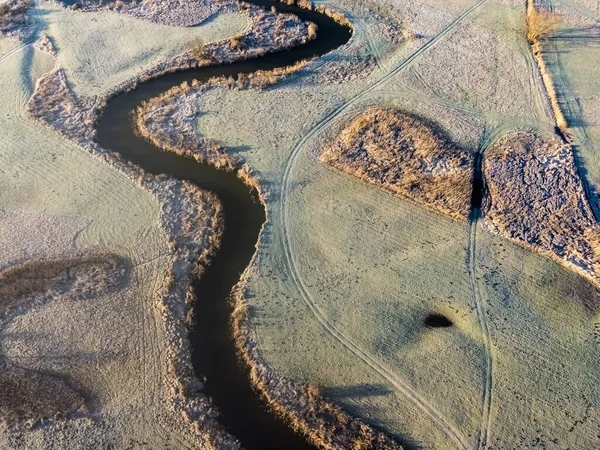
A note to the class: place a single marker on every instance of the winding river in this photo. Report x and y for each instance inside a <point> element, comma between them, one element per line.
<point>243,412</point>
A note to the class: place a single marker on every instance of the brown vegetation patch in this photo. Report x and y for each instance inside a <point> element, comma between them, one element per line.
<point>14,20</point>
<point>27,396</point>
<point>83,276</point>
<point>54,104</point>
<point>540,24</point>
<point>536,197</point>
<point>406,155</point>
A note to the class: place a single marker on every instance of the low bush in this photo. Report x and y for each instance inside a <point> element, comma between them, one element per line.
<point>236,41</point>
<point>312,30</point>
<point>540,24</point>
<point>198,50</point>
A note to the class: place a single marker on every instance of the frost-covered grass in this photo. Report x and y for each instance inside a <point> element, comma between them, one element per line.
<point>345,271</point>
<point>57,199</point>
<point>101,49</point>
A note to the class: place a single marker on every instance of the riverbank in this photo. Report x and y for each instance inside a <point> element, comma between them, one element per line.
<point>340,289</point>
<point>191,220</point>
<point>60,110</point>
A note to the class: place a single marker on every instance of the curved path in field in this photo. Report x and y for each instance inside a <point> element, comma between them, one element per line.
<point>243,413</point>
<point>453,434</point>
<point>214,354</point>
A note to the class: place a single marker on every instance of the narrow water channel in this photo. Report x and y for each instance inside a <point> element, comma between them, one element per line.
<point>243,412</point>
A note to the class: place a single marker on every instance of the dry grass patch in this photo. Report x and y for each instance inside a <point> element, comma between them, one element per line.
<point>27,396</point>
<point>236,42</point>
<point>536,198</point>
<point>13,17</point>
<point>408,156</point>
<point>81,276</point>
<point>540,23</point>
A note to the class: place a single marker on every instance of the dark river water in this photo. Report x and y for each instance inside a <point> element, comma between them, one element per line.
<point>243,412</point>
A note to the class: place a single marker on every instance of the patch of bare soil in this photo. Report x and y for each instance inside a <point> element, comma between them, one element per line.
<point>406,155</point>
<point>535,197</point>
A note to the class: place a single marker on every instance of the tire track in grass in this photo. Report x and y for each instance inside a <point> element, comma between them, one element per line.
<point>36,29</point>
<point>536,84</point>
<point>363,30</point>
<point>488,384</point>
<point>286,187</point>
<point>478,191</point>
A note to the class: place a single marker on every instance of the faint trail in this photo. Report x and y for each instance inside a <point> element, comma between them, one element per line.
<point>370,43</point>
<point>583,11</point>
<point>478,193</point>
<point>363,30</point>
<point>286,187</point>
<point>36,27</point>
<point>488,385</point>
<point>535,81</point>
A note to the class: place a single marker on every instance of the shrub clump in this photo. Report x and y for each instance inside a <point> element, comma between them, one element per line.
<point>540,24</point>
<point>536,197</point>
<point>14,19</point>
<point>408,156</point>
<point>198,51</point>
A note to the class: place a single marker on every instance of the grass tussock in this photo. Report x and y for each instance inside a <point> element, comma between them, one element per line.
<point>540,24</point>
<point>312,30</point>
<point>198,51</point>
<point>236,42</point>
<point>536,198</point>
<point>406,155</point>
